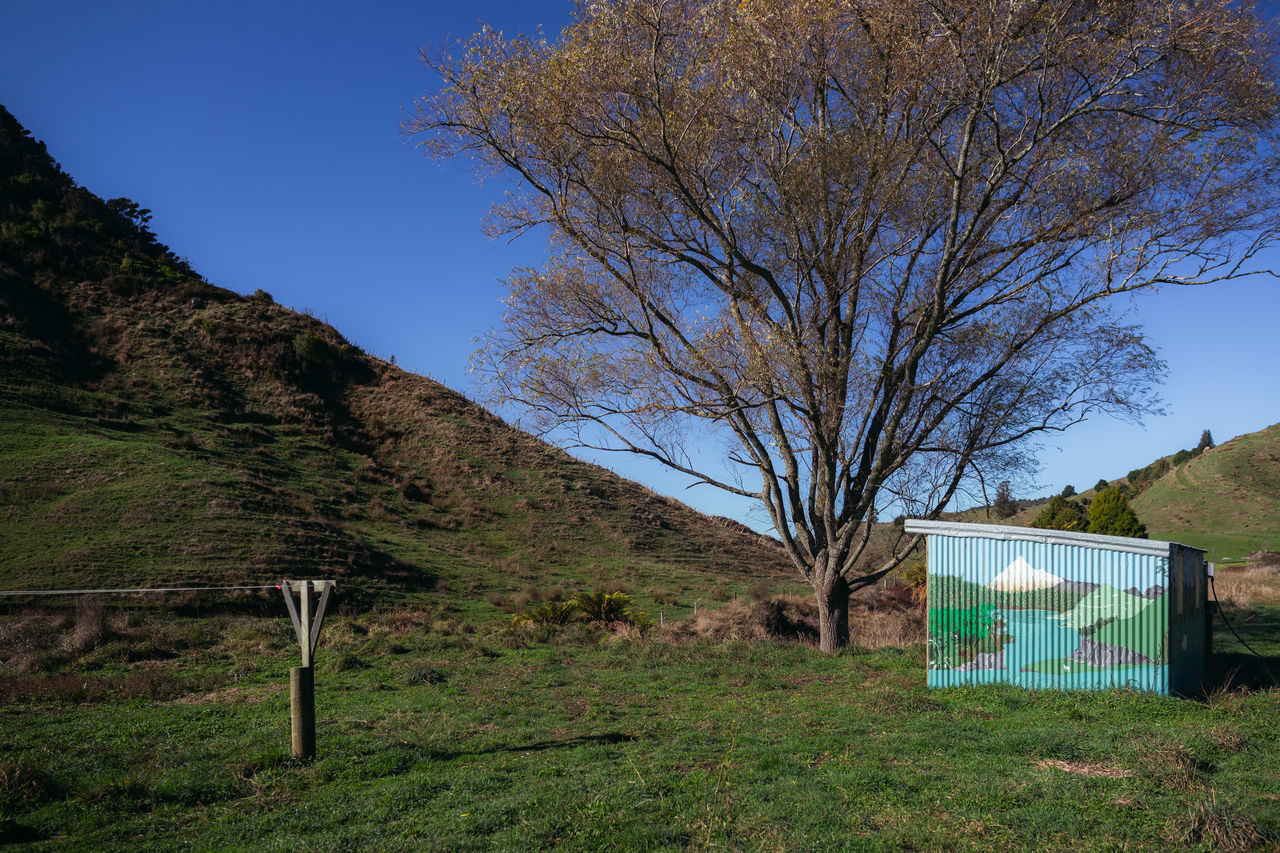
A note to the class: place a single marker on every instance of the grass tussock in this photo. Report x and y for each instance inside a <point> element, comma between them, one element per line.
<point>1173,766</point>
<point>22,781</point>
<point>1217,826</point>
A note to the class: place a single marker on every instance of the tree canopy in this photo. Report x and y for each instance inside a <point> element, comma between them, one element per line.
<point>1004,504</point>
<point>1060,514</point>
<point>1110,513</point>
<point>868,245</point>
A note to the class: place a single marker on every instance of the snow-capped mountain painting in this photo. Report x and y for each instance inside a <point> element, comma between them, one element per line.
<point>1021,576</point>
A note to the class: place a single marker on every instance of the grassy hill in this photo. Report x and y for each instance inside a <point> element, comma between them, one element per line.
<point>158,430</point>
<point>1226,500</point>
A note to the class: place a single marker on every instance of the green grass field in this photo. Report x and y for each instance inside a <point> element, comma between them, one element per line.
<point>129,729</point>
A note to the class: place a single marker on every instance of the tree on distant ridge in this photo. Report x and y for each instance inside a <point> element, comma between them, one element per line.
<point>1004,504</point>
<point>1206,441</point>
<point>868,246</point>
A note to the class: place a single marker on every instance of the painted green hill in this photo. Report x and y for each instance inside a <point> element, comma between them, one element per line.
<point>158,430</point>
<point>1227,500</point>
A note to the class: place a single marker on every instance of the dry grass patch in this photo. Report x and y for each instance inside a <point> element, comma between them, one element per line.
<point>876,620</point>
<point>878,629</point>
<point>1248,585</point>
<point>1081,768</point>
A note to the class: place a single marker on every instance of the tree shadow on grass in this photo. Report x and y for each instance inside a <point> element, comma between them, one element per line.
<point>607,738</point>
<point>1236,666</point>
<point>1232,671</point>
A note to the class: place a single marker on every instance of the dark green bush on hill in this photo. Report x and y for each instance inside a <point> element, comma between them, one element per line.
<point>1060,514</point>
<point>1111,514</point>
<point>1140,478</point>
<point>313,349</point>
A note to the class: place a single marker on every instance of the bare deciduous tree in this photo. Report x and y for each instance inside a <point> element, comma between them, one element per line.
<point>871,241</point>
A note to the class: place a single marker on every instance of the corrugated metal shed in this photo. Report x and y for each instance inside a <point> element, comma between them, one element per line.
<point>1052,609</point>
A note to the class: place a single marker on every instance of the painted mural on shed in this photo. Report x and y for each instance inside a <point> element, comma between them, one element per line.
<point>1066,610</point>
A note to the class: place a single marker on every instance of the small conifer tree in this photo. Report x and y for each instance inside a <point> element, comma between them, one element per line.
<point>1111,514</point>
<point>1206,441</point>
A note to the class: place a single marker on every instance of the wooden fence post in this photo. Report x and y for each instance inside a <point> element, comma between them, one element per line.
<point>302,684</point>
<point>302,711</point>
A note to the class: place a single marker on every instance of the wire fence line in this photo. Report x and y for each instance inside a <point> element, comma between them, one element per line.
<point>21,592</point>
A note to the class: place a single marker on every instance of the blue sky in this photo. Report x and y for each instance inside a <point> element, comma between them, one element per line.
<point>265,139</point>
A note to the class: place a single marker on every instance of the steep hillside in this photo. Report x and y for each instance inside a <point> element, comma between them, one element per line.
<point>1226,500</point>
<point>158,430</point>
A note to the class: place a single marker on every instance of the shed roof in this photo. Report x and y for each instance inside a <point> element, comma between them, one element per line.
<point>1152,547</point>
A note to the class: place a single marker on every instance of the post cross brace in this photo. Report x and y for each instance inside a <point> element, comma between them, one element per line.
<point>311,637</point>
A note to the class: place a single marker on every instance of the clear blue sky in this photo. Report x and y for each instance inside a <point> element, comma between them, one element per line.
<point>264,138</point>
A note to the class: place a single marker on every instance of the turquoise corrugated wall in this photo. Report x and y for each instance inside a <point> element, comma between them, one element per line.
<point>1053,615</point>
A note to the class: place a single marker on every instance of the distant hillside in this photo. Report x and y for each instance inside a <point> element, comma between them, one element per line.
<point>155,429</point>
<point>1226,500</point>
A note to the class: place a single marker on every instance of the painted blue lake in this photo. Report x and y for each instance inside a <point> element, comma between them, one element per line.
<point>1037,657</point>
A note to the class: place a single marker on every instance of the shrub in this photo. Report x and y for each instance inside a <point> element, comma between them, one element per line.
<point>638,619</point>
<point>916,579</point>
<point>550,613</point>
<point>1060,514</point>
<point>1111,514</point>
<point>602,606</point>
<point>544,621</point>
<point>313,349</point>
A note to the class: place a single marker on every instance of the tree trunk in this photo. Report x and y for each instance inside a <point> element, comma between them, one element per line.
<point>833,615</point>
